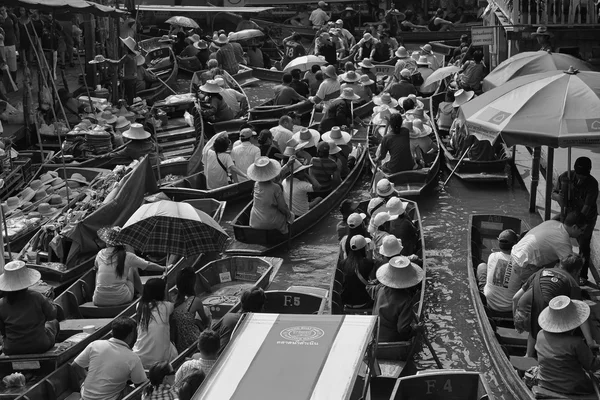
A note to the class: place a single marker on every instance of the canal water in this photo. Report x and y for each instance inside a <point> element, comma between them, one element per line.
<point>450,318</point>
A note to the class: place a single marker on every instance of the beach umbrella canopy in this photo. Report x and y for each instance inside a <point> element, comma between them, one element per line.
<point>169,227</point>
<point>246,34</point>
<point>304,63</point>
<point>556,109</point>
<point>532,62</point>
<point>440,73</point>
<point>184,22</point>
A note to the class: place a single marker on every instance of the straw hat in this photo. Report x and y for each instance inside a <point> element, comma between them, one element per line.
<point>57,201</point>
<point>333,148</point>
<point>46,210</point>
<point>384,188</point>
<point>399,273</point>
<point>378,220</point>
<point>17,277</point>
<point>330,72</point>
<point>201,45</point>
<point>122,122</point>
<point>402,53</point>
<point>193,39</point>
<point>108,235</point>
<point>99,59</point>
<point>130,43</point>
<point>413,132</point>
<point>221,39</point>
<point>383,115</point>
<point>563,315</point>
<point>123,112</point>
<point>165,39</point>
<point>36,185</point>
<point>247,133</point>
<point>396,207</point>
<point>337,136</point>
<point>423,60</point>
<point>309,136</point>
<point>355,219</point>
<point>418,113</point>
<point>11,203</point>
<point>405,73</point>
<point>40,195</point>
<point>136,132</point>
<point>264,169</point>
<point>426,49</point>
<point>26,195</point>
<point>140,60</point>
<point>299,167</point>
<point>542,31</point>
<point>348,94</point>
<point>365,80</point>
<point>64,191</point>
<point>462,96</point>
<point>418,103</point>
<point>211,86</point>
<point>108,117</point>
<point>359,242</point>
<point>366,63</point>
<point>386,99</point>
<point>350,76</point>
<point>424,129</point>
<point>296,145</point>
<point>391,245</point>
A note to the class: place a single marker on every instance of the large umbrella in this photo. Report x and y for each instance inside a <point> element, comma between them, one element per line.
<point>169,227</point>
<point>556,109</point>
<point>184,22</point>
<point>246,34</point>
<point>440,73</point>
<point>305,63</point>
<point>532,62</point>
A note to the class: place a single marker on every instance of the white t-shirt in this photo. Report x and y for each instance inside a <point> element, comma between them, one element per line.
<point>154,344</point>
<point>244,156</point>
<point>216,176</point>
<point>281,135</point>
<point>496,290</point>
<point>232,97</point>
<point>547,243</point>
<point>318,17</point>
<point>300,192</point>
<point>110,364</point>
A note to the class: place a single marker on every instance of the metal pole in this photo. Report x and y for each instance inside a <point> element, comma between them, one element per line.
<point>291,192</point>
<point>549,172</point>
<point>535,177</point>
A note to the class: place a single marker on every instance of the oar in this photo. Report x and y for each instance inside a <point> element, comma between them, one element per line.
<point>457,165</point>
<point>168,87</point>
<point>423,334</point>
<point>291,192</point>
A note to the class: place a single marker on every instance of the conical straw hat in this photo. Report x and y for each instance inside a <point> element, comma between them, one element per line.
<point>563,315</point>
<point>400,273</point>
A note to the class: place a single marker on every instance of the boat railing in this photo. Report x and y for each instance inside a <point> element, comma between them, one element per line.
<point>549,12</point>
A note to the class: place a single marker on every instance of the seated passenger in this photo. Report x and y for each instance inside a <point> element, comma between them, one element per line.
<point>218,164</point>
<point>252,300</point>
<point>234,99</point>
<point>357,272</point>
<point>325,170</point>
<point>117,277</point>
<point>153,311</point>
<point>401,225</point>
<point>472,73</point>
<point>446,113</point>
<point>350,80</point>
<point>356,226</point>
<point>28,321</point>
<point>269,209</point>
<point>422,147</point>
<point>491,276</point>
<point>285,94</point>
<point>307,139</point>
<point>302,185</point>
<point>208,352</point>
<point>283,132</point>
<point>145,78</point>
<point>393,293</point>
<point>563,356</point>
<point>340,111</point>
<point>268,148</point>
<point>346,208</point>
<point>385,191</point>
<point>364,91</point>
<point>214,107</point>
<point>244,155</point>
<point>336,154</point>
<point>159,388</point>
<point>329,88</point>
<point>190,385</point>
<point>388,246</point>
<point>397,143</point>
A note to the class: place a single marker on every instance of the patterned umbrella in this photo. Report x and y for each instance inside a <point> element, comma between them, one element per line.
<point>184,22</point>
<point>169,227</point>
<point>556,109</point>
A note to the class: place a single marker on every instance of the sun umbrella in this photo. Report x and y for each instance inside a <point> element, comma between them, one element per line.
<point>246,34</point>
<point>440,73</point>
<point>531,62</point>
<point>556,109</point>
<point>184,22</point>
<point>305,63</point>
<point>169,227</point>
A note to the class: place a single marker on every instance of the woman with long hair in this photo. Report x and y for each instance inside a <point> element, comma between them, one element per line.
<point>218,164</point>
<point>357,272</point>
<point>187,305</point>
<point>154,338</point>
<point>117,277</point>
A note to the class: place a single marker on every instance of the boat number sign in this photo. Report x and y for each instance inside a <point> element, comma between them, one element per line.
<point>431,386</point>
<point>291,301</point>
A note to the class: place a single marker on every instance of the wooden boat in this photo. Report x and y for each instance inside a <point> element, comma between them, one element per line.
<point>225,279</point>
<point>429,36</point>
<point>482,238</point>
<point>296,300</point>
<point>406,183</point>
<point>439,385</point>
<point>265,74</point>
<point>212,207</point>
<point>75,311</point>
<point>268,110</point>
<point>249,241</point>
<point>232,192</point>
<point>283,30</point>
<point>165,70</point>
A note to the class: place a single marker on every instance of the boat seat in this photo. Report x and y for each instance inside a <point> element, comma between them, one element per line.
<point>511,337</point>
<point>73,326</point>
<point>522,364</point>
<point>541,393</point>
<point>391,368</point>
<point>89,310</point>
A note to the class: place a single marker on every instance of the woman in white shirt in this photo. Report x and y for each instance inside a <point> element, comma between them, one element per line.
<point>218,164</point>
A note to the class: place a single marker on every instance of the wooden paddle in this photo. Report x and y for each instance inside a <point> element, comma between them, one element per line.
<point>168,87</point>
<point>291,192</point>
<point>6,71</point>
<point>457,165</point>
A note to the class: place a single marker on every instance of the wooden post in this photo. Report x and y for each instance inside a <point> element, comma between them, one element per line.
<point>549,173</point>
<point>90,48</point>
<point>535,177</point>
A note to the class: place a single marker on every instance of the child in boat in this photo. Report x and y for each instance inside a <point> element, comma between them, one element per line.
<point>158,388</point>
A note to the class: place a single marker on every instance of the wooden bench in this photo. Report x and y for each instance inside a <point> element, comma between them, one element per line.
<point>91,311</point>
<point>73,326</point>
<point>512,338</point>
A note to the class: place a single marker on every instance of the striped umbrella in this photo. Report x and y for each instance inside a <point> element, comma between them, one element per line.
<point>169,227</point>
<point>555,108</point>
<point>531,62</point>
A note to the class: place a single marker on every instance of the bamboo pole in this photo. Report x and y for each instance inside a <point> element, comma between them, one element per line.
<point>549,172</point>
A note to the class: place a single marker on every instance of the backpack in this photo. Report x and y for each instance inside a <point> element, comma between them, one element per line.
<point>417,79</point>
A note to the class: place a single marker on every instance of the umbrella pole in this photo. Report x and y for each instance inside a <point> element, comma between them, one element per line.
<point>457,165</point>
<point>549,172</point>
<point>563,207</point>
<point>291,202</point>
<point>535,177</point>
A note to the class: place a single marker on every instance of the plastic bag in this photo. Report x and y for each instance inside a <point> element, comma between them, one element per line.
<point>189,119</point>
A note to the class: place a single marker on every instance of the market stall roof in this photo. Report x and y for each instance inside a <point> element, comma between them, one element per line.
<point>206,9</point>
<point>78,6</point>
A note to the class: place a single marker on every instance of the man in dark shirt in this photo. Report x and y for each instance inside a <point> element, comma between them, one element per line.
<point>11,39</point>
<point>292,48</point>
<point>49,31</point>
<point>339,112</point>
<point>299,86</point>
<point>324,170</point>
<point>397,143</point>
<point>578,191</point>
<point>327,49</point>
<point>382,51</point>
<point>404,87</point>
<point>285,94</point>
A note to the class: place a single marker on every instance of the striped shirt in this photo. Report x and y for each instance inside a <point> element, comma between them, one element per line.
<point>227,60</point>
<point>322,170</point>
